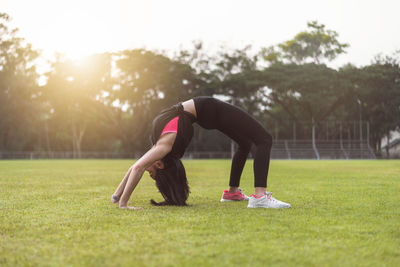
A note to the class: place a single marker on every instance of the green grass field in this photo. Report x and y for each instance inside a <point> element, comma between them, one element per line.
<point>345,213</point>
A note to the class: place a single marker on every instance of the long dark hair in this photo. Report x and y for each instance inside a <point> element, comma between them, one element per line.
<point>172,183</point>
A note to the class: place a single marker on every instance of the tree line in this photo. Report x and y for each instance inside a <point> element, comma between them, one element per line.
<point>107,101</point>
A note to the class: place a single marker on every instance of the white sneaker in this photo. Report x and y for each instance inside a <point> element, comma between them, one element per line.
<point>267,201</point>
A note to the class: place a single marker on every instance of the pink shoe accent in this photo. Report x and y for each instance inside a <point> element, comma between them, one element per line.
<point>238,195</point>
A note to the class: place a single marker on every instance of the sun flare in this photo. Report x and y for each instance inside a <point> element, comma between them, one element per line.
<point>78,38</point>
<point>82,29</point>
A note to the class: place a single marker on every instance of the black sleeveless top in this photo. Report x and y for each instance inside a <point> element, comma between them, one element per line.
<point>185,128</point>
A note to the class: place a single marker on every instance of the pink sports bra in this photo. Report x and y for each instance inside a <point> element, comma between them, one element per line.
<point>171,127</point>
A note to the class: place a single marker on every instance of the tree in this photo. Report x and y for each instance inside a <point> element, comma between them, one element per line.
<point>18,90</point>
<point>380,96</point>
<point>148,82</point>
<point>203,64</point>
<point>299,82</point>
<point>308,92</point>
<point>232,73</point>
<point>313,46</point>
<point>239,78</point>
<point>74,93</point>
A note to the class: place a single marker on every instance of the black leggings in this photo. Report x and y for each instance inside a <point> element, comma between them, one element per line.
<point>244,130</point>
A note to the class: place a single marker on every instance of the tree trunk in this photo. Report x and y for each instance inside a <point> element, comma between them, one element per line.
<point>73,128</point>
<point>46,127</point>
<point>77,140</point>
<point>387,144</point>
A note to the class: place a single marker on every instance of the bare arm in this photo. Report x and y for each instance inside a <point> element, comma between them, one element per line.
<point>120,189</point>
<point>157,152</point>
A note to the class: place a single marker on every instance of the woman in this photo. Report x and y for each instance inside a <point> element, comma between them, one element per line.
<point>171,134</point>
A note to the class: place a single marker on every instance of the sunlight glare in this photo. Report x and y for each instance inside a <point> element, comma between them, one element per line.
<point>81,29</point>
<point>80,37</point>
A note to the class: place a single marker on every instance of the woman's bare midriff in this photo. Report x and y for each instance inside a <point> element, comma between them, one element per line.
<point>189,107</point>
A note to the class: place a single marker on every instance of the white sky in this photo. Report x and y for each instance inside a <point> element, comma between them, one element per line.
<point>81,27</point>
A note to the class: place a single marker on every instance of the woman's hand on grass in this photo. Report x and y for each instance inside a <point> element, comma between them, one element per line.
<point>115,201</point>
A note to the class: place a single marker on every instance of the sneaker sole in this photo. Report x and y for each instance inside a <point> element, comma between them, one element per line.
<point>254,207</point>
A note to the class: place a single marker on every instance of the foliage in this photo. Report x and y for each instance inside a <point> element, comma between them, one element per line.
<point>18,90</point>
<point>73,94</point>
<point>315,45</point>
<point>147,83</point>
<point>381,96</point>
<point>107,101</point>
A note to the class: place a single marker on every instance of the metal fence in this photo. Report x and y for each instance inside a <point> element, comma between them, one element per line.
<point>66,155</point>
<point>281,149</point>
<point>322,149</point>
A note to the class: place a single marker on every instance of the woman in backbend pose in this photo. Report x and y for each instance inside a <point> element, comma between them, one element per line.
<point>171,133</point>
